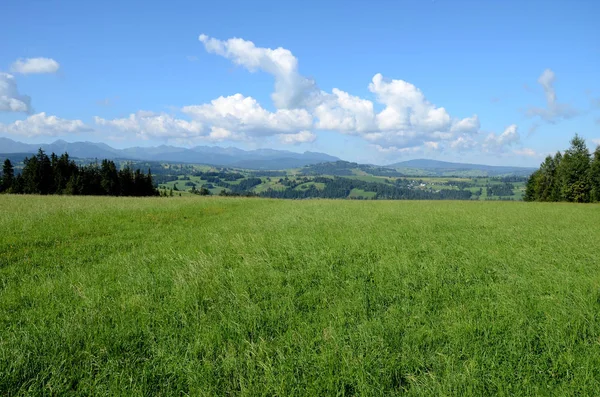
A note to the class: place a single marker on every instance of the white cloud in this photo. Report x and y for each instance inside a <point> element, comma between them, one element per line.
<point>397,150</point>
<point>596,141</point>
<point>292,90</point>
<point>147,125</point>
<point>10,99</point>
<point>526,152</point>
<point>554,110</point>
<point>467,125</point>
<point>244,114</point>
<point>507,138</point>
<point>425,147</point>
<point>463,143</point>
<point>35,65</point>
<point>408,119</point>
<point>300,137</point>
<point>226,118</point>
<point>345,113</point>
<point>218,134</point>
<point>406,107</point>
<point>42,125</point>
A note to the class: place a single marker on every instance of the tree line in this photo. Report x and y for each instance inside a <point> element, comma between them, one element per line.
<point>43,174</point>
<point>572,176</point>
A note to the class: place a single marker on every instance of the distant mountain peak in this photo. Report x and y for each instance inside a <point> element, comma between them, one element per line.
<point>211,155</point>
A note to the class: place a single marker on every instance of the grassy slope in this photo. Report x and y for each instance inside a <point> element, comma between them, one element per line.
<point>260,297</point>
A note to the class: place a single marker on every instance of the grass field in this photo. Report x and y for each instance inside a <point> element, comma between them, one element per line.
<point>227,296</point>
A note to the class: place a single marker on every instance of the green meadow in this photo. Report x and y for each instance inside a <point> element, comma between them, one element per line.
<point>206,296</point>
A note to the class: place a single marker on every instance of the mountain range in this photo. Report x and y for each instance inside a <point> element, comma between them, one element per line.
<point>249,159</point>
<point>213,155</point>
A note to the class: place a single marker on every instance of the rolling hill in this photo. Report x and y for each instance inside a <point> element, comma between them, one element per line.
<point>445,168</point>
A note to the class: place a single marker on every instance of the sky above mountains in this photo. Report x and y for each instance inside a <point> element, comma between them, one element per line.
<point>495,82</point>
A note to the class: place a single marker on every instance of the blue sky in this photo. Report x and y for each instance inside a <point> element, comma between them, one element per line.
<point>496,82</point>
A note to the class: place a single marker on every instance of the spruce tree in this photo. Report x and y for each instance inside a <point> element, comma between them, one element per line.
<point>110,178</point>
<point>8,175</point>
<point>595,175</point>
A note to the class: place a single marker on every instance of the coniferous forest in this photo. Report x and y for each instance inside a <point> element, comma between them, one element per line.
<point>43,174</point>
<point>572,176</point>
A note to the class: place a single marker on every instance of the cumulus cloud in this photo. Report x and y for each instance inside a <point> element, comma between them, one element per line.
<point>245,115</point>
<point>467,125</point>
<point>292,90</point>
<point>298,138</point>
<point>10,98</point>
<point>596,141</point>
<point>43,125</point>
<point>508,137</point>
<point>35,66</point>
<point>147,125</point>
<point>345,113</point>
<point>408,118</point>
<point>554,111</point>
<point>463,143</point>
<point>407,122</point>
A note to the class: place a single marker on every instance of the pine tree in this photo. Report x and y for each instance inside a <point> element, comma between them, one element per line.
<point>8,175</point>
<point>126,181</point>
<point>595,175</point>
<point>110,178</point>
<point>556,194</point>
<point>531,191</point>
<point>44,177</point>
<point>29,181</point>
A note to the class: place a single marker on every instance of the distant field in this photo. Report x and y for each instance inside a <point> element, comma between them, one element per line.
<point>228,296</point>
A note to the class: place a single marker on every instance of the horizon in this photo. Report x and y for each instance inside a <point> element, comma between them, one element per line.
<point>279,150</point>
<point>450,82</point>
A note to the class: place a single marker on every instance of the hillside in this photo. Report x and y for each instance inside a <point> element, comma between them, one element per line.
<point>444,168</point>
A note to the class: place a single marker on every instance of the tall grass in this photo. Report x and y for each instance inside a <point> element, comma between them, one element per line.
<point>225,296</point>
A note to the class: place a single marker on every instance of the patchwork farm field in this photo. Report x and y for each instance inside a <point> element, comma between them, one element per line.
<point>247,296</point>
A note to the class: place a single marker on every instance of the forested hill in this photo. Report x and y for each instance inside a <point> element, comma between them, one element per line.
<point>415,168</point>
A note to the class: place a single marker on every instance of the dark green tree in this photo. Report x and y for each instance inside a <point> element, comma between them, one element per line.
<point>595,175</point>
<point>8,175</point>
<point>573,172</point>
<point>126,181</point>
<point>30,184</point>
<point>531,188</point>
<point>44,177</point>
<point>64,169</point>
<point>547,180</point>
<point>110,178</point>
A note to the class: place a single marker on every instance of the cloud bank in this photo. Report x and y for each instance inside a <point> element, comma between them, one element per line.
<point>43,125</point>
<point>400,120</point>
